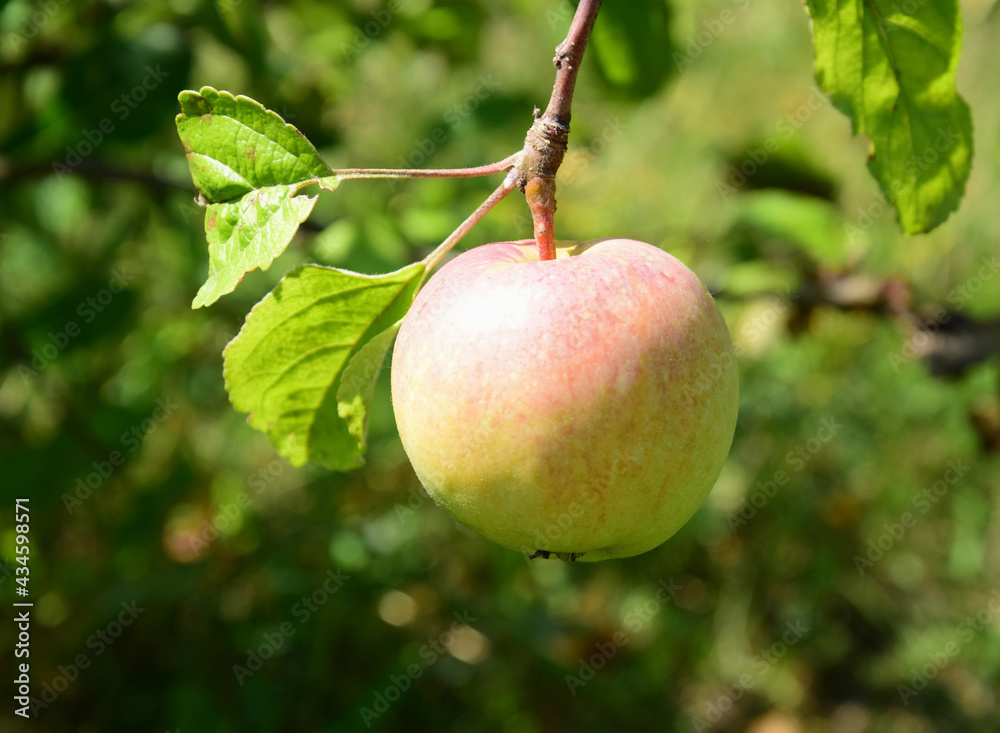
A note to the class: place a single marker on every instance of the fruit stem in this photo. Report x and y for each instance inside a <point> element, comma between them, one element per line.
<point>547,139</point>
<point>498,195</point>
<point>540,194</point>
<point>346,174</point>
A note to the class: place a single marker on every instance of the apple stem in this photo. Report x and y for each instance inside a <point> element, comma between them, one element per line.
<point>540,194</point>
<point>547,139</point>
<point>346,174</point>
<point>498,195</point>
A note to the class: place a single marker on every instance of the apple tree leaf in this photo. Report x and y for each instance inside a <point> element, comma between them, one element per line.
<point>235,146</point>
<point>357,383</point>
<point>305,363</point>
<point>248,164</point>
<point>631,45</point>
<point>247,233</point>
<point>890,67</point>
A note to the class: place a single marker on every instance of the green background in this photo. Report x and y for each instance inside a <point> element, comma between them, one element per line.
<point>450,84</point>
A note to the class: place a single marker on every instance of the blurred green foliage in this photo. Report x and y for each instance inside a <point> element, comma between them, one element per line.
<point>750,618</point>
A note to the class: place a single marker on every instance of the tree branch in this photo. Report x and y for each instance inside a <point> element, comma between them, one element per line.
<point>346,174</point>
<point>547,139</point>
<point>567,60</point>
<point>948,342</point>
<point>501,192</point>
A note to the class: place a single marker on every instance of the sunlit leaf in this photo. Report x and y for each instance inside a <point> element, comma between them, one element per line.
<point>305,363</point>
<point>235,146</point>
<point>248,164</point>
<point>890,67</point>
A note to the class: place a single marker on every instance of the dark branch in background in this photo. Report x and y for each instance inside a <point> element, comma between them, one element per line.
<point>951,343</point>
<point>91,170</point>
<point>948,342</point>
<point>547,139</point>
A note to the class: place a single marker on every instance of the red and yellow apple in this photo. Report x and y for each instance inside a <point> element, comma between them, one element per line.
<point>582,406</point>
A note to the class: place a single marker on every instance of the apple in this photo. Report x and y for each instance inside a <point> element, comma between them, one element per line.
<point>582,406</point>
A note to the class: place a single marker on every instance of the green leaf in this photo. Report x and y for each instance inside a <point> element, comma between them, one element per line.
<point>893,73</point>
<point>249,233</point>
<point>357,383</point>
<point>812,225</point>
<point>305,362</point>
<point>631,46</point>
<point>235,146</point>
<point>248,164</point>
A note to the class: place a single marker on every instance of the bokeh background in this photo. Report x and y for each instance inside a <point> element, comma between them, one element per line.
<point>203,585</point>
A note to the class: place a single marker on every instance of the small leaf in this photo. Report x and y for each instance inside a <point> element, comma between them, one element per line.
<point>248,164</point>
<point>247,234</point>
<point>236,146</point>
<point>893,73</point>
<point>305,362</point>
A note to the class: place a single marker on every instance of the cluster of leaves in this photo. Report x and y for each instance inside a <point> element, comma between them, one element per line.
<point>892,71</point>
<point>305,363</point>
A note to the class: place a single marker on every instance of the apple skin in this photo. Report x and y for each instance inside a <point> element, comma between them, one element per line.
<point>582,406</point>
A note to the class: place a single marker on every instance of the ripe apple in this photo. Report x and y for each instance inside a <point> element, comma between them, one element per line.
<point>582,406</point>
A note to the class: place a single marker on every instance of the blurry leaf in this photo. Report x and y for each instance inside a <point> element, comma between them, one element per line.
<point>810,224</point>
<point>248,163</point>
<point>631,46</point>
<point>893,74</point>
<point>758,276</point>
<point>305,362</point>
<point>753,166</point>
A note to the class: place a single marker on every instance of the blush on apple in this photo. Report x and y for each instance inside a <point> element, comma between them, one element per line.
<point>582,406</point>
